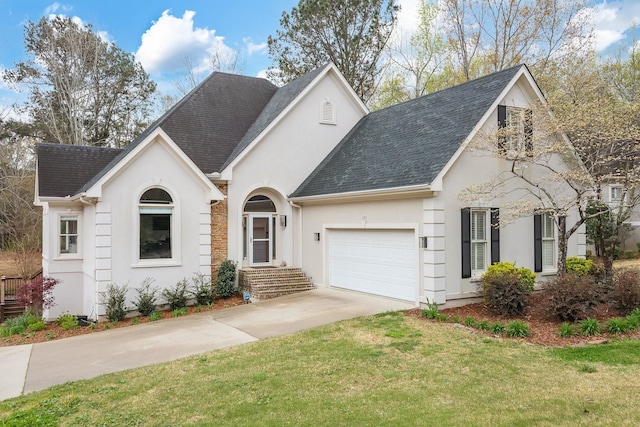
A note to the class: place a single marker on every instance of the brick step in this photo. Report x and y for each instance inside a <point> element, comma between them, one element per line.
<point>272,283</point>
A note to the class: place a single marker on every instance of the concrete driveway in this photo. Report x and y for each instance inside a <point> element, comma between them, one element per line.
<point>39,366</point>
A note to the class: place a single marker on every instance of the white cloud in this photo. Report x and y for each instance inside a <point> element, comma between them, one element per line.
<point>171,42</point>
<point>253,47</point>
<point>612,20</point>
<point>408,17</point>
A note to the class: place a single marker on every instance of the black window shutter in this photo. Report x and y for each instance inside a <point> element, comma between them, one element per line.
<point>466,242</point>
<point>528,132</point>
<point>495,235</point>
<point>502,123</point>
<point>537,243</point>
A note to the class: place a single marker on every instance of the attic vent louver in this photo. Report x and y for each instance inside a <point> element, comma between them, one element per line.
<point>327,113</point>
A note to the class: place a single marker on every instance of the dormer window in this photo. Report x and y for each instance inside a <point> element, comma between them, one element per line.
<point>327,113</point>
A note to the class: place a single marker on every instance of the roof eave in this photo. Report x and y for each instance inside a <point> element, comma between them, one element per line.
<point>406,192</point>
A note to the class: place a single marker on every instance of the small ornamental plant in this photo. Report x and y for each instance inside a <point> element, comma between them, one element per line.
<point>505,288</point>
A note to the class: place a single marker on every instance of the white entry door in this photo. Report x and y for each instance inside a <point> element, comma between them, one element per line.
<point>260,246</point>
<point>380,262</point>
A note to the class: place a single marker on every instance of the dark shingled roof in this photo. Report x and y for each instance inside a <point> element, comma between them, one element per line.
<point>282,98</point>
<point>212,124</point>
<point>63,168</point>
<point>406,144</point>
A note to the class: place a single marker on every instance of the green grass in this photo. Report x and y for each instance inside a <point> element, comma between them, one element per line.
<point>384,370</point>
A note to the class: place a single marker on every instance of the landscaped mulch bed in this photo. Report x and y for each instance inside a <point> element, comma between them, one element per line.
<point>544,329</point>
<point>55,331</point>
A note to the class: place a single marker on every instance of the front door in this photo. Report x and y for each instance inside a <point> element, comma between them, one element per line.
<point>260,240</point>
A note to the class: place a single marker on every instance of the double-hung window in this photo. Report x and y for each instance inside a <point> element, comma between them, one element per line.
<point>545,241</point>
<point>156,212</point>
<point>478,241</point>
<point>69,234</point>
<point>480,232</point>
<point>548,242</point>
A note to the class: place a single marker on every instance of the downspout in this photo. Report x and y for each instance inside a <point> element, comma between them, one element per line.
<point>83,199</point>
<point>299,229</point>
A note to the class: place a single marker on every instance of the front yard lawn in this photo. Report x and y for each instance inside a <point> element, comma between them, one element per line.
<point>389,369</point>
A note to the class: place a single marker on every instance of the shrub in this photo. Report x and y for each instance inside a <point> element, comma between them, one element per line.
<point>201,289</point>
<point>629,254</point>
<point>497,328</point>
<point>626,289</point>
<point>572,297</point>
<point>483,325</point>
<point>431,312</point>
<point>617,326</point>
<point>37,294</point>
<point>113,299</point>
<point>579,266</point>
<point>179,312</point>
<point>517,329</point>
<point>633,321</point>
<point>589,327</point>
<point>470,322</point>
<point>17,325</point>
<point>156,315</point>
<point>566,330</point>
<point>145,301</point>
<point>38,326</point>
<point>67,321</point>
<point>226,279</point>
<point>177,295</point>
<point>505,288</point>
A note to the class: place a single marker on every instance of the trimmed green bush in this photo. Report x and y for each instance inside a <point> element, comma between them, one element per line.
<point>580,266</point>
<point>177,295</point>
<point>201,289</point>
<point>145,301</point>
<point>226,279</point>
<point>113,299</point>
<point>505,288</point>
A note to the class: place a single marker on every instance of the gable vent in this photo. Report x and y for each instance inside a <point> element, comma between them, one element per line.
<point>328,113</point>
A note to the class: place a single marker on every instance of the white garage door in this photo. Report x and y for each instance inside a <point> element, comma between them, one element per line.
<point>381,262</point>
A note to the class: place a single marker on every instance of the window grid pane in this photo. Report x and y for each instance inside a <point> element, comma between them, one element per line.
<point>68,235</point>
<point>478,240</point>
<point>548,242</point>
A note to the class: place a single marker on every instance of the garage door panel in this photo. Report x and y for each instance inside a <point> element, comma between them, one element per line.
<point>381,262</point>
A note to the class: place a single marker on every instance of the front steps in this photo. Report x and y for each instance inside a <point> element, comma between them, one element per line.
<point>11,308</point>
<point>267,283</point>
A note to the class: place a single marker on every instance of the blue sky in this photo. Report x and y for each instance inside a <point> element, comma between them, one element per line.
<point>162,32</point>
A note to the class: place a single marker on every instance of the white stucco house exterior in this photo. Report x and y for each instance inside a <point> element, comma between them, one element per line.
<point>302,175</point>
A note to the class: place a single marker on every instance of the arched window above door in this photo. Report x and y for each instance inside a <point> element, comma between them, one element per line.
<point>259,204</point>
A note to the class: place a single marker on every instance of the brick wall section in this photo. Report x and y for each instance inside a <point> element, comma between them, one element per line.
<point>219,232</point>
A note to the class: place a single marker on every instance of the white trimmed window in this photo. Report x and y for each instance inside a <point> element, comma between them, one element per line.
<point>548,242</point>
<point>615,194</point>
<point>156,220</point>
<point>68,234</point>
<point>327,113</point>
<point>479,241</point>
